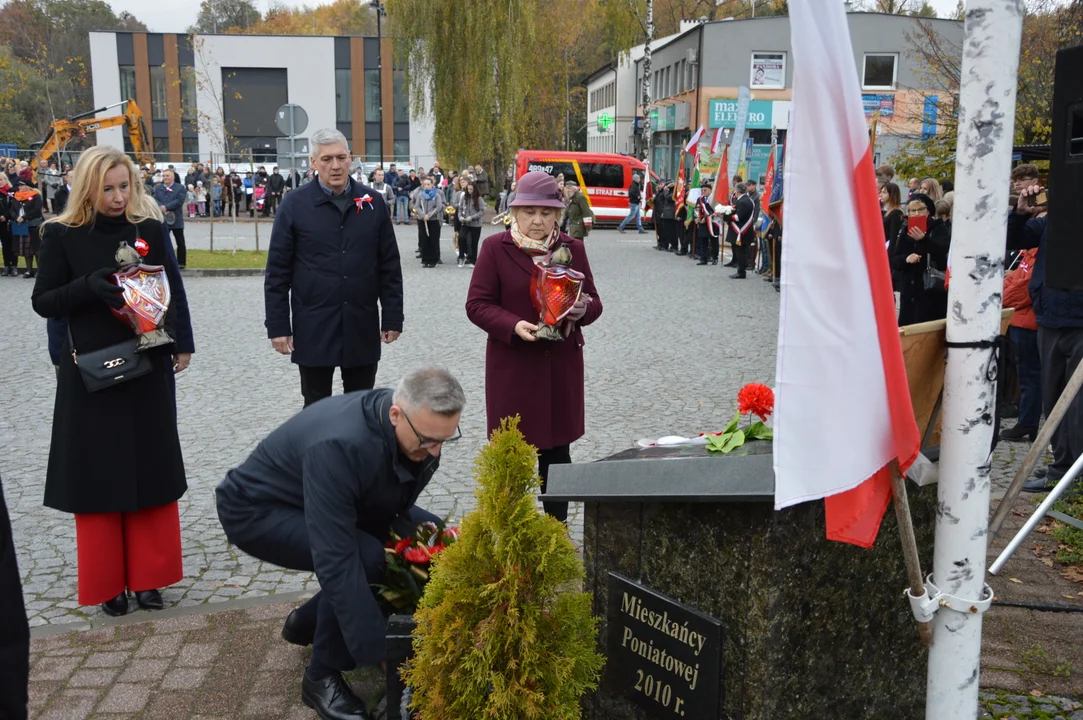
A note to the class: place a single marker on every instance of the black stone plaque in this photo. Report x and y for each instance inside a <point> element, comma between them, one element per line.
<point>664,656</point>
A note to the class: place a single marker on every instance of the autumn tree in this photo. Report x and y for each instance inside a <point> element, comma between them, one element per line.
<point>49,47</point>
<point>489,72</point>
<point>219,16</point>
<point>342,17</point>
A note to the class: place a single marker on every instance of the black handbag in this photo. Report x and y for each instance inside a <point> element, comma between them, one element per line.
<point>111,365</point>
<point>933,279</point>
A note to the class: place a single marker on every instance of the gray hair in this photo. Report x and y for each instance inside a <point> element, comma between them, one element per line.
<point>635,176</point>
<point>433,388</point>
<point>741,188</point>
<point>328,136</point>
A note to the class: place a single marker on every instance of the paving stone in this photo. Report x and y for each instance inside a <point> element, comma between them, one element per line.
<point>183,679</point>
<point>145,669</point>
<point>73,704</point>
<point>160,646</point>
<point>125,698</point>
<point>55,668</point>
<point>197,655</point>
<point>100,677</point>
<point>178,624</point>
<point>106,659</point>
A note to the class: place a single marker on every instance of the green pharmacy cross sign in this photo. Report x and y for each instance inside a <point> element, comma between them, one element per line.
<point>604,122</point>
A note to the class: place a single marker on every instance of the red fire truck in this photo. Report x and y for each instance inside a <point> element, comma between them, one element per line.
<point>604,177</point>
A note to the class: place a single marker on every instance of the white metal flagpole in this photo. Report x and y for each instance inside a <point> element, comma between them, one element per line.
<point>958,593</point>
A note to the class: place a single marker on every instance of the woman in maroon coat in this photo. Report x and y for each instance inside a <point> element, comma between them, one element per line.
<point>539,380</point>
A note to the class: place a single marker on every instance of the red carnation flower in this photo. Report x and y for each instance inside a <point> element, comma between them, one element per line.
<point>756,398</point>
<point>401,545</point>
<point>417,556</point>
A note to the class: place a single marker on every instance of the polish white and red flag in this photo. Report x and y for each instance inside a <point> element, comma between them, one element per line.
<point>843,412</point>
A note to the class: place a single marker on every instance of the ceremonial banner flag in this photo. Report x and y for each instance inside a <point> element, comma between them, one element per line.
<point>720,193</point>
<point>776,201</point>
<point>839,355</point>
<point>769,180</point>
<point>678,187</point>
<point>716,142</point>
<point>691,146</point>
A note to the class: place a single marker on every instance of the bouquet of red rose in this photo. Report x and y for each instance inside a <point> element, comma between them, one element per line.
<point>408,561</point>
<point>753,399</point>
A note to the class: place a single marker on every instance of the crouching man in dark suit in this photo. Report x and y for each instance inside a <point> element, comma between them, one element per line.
<point>322,493</point>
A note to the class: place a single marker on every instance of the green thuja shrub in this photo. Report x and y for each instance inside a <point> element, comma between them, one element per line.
<point>503,630</point>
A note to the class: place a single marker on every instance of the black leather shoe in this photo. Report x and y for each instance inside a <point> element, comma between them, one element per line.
<point>682,253</point>
<point>117,606</point>
<point>149,599</point>
<point>737,276</point>
<point>1020,432</point>
<point>702,262</point>
<point>332,699</point>
<point>714,262</point>
<point>730,264</point>
<point>294,632</point>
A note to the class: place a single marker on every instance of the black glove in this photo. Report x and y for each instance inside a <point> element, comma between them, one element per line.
<point>99,284</point>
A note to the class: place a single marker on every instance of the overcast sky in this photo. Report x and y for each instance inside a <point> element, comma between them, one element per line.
<point>176,16</point>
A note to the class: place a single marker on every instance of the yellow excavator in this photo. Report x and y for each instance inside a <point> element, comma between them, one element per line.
<point>61,132</point>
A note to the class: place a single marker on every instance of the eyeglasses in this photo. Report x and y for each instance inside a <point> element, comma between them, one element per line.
<point>425,443</point>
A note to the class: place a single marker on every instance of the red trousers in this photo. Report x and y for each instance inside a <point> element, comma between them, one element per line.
<point>137,551</point>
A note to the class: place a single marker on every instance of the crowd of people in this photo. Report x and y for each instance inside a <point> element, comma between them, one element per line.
<point>691,227</point>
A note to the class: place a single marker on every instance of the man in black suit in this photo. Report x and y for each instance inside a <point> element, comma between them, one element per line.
<point>331,259</point>
<point>63,191</point>
<point>322,493</point>
<point>707,227</point>
<point>740,229</point>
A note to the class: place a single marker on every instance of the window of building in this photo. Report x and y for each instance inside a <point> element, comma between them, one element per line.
<point>161,148</point>
<point>879,72</point>
<point>188,94</point>
<point>400,96</point>
<point>343,96</point>
<point>127,82</point>
<point>768,70</point>
<point>372,95</point>
<point>190,148</point>
<point>402,151</point>
<point>372,150</point>
<point>692,76</point>
<point>159,101</point>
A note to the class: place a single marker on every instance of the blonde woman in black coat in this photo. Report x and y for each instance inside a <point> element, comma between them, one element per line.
<point>115,459</point>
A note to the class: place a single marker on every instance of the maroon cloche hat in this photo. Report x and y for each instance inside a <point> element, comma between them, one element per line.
<point>538,189</point>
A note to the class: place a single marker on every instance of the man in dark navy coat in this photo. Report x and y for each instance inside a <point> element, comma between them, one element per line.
<point>332,258</point>
<point>322,493</point>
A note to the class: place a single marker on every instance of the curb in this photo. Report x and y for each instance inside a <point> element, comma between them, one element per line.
<point>43,631</point>
<point>222,272</point>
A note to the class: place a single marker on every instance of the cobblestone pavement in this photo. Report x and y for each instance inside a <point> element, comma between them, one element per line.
<point>1006,706</point>
<point>212,666</point>
<point>674,344</point>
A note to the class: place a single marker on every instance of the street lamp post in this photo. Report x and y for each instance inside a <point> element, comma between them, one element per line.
<point>379,7</point>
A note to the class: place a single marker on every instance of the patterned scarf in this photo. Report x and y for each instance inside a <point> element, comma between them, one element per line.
<point>533,248</point>
<point>24,195</point>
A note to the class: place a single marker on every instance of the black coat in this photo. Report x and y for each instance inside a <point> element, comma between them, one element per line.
<point>740,222</point>
<point>892,222</point>
<point>916,304</point>
<point>339,462</point>
<point>115,450</point>
<point>331,267</point>
<point>60,199</point>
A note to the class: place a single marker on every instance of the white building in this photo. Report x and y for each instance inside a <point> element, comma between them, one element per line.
<point>612,99</point>
<point>215,96</point>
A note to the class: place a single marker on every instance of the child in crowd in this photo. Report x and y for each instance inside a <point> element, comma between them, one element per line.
<point>190,198</point>
<point>216,196</point>
<point>201,199</point>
